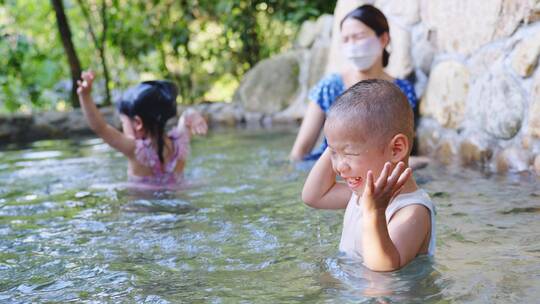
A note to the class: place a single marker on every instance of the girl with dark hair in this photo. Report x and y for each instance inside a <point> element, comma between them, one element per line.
<point>154,158</point>
<point>365,34</point>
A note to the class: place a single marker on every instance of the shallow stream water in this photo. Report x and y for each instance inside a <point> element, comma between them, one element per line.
<point>70,231</point>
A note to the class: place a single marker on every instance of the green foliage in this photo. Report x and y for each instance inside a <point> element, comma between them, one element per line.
<point>204,46</point>
<point>29,66</point>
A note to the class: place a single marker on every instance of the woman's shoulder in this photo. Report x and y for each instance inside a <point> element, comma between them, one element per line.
<point>332,79</point>
<point>326,90</point>
<point>408,89</point>
<point>404,84</point>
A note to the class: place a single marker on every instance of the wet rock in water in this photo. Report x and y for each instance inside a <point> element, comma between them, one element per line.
<point>536,164</point>
<point>51,117</point>
<point>422,179</point>
<point>253,119</point>
<point>440,194</point>
<point>419,162</point>
<point>512,160</point>
<point>77,121</point>
<point>475,151</point>
<point>267,121</point>
<point>294,112</point>
<point>429,135</point>
<point>225,114</point>
<point>111,116</point>
<point>16,127</point>
<point>446,152</point>
<point>446,94</point>
<point>521,210</point>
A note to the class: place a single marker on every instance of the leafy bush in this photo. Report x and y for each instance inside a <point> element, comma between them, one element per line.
<point>203,46</point>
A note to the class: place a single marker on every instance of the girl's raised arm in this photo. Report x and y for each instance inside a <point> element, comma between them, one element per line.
<point>95,120</point>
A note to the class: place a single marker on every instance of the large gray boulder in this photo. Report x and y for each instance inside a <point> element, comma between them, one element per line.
<point>271,85</point>
<point>279,85</point>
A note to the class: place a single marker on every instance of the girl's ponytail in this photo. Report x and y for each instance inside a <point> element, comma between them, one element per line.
<point>160,129</point>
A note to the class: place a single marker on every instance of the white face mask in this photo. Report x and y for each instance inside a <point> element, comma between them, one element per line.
<point>363,54</point>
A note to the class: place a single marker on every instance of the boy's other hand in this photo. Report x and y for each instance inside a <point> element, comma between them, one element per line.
<point>377,195</point>
<point>84,86</point>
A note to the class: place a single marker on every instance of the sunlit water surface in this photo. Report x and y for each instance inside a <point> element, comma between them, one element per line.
<point>71,232</point>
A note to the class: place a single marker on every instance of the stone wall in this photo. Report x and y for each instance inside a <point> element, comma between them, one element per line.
<point>476,69</point>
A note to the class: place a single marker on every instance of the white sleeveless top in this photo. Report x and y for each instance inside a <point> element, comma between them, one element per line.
<point>351,237</point>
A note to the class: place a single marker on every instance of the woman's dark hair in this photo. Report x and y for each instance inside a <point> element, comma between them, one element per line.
<point>155,103</point>
<point>374,19</point>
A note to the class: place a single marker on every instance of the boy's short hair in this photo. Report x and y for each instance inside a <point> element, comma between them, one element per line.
<point>375,108</point>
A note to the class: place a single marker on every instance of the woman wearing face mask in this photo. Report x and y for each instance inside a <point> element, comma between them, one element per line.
<point>364,36</point>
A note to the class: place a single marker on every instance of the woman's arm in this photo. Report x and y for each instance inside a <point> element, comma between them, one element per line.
<point>95,120</point>
<point>309,132</point>
<point>321,189</point>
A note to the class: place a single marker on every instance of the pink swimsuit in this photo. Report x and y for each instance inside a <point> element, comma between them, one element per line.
<point>146,154</point>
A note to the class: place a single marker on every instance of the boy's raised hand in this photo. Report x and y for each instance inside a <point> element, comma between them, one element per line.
<point>377,195</point>
<point>85,85</point>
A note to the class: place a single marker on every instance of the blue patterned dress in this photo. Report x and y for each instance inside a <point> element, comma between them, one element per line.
<point>330,87</point>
